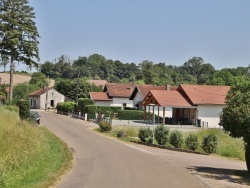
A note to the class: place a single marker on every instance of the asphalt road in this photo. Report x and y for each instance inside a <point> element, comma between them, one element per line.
<point>102,162</point>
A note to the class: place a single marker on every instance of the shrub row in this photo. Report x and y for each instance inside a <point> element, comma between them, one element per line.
<point>161,133</point>
<point>107,110</point>
<point>82,102</point>
<point>133,115</point>
<point>65,106</point>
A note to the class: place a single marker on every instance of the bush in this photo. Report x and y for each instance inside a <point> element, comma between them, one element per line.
<point>192,142</point>
<point>133,115</point>
<point>105,126</point>
<point>24,108</point>
<point>82,102</point>
<point>176,138</point>
<point>93,109</point>
<point>65,106</point>
<point>146,135</point>
<point>161,134</point>
<point>121,134</point>
<point>209,143</point>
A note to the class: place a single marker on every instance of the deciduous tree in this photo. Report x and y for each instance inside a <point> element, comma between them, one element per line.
<point>18,34</point>
<point>236,115</point>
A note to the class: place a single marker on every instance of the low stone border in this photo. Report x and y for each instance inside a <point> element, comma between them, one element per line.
<point>169,148</point>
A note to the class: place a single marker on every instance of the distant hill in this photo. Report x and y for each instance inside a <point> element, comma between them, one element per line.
<point>17,78</point>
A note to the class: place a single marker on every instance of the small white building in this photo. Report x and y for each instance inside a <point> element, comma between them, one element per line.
<point>114,95</point>
<point>39,98</point>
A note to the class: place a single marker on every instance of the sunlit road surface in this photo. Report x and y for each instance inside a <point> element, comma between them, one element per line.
<point>102,162</point>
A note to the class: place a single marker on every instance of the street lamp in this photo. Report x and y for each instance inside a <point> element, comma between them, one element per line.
<point>153,105</point>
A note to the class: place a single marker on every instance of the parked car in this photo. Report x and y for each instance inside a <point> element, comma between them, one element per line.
<point>35,116</point>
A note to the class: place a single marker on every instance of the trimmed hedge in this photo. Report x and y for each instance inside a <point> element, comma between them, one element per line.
<point>82,102</point>
<point>65,106</point>
<point>107,110</point>
<point>133,115</point>
<point>24,108</point>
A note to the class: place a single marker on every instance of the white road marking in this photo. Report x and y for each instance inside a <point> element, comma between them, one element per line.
<point>142,150</point>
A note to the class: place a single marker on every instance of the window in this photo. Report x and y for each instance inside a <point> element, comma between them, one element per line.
<point>31,103</point>
<point>124,104</point>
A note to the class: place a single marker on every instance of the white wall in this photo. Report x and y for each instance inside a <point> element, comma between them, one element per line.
<point>119,101</point>
<point>137,98</point>
<point>210,114</point>
<point>52,95</point>
<point>168,111</point>
<point>103,103</point>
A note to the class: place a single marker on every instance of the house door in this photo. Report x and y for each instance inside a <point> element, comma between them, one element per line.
<point>52,103</point>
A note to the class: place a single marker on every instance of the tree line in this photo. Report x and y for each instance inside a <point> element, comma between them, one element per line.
<point>96,66</point>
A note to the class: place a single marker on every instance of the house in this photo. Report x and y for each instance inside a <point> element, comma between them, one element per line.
<point>141,91</point>
<point>114,95</point>
<point>39,97</point>
<point>190,103</point>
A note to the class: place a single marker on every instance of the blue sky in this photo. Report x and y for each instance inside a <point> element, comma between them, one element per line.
<point>169,31</point>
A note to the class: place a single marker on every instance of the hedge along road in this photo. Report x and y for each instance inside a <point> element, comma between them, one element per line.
<point>104,162</point>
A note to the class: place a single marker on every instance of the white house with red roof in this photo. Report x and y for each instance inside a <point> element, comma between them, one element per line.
<point>45,96</point>
<point>189,103</point>
<point>114,95</point>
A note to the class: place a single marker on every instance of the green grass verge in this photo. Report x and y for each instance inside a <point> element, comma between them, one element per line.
<point>227,146</point>
<point>30,156</point>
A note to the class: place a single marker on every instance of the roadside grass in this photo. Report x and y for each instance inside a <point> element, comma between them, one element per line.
<point>227,146</point>
<point>31,156</point>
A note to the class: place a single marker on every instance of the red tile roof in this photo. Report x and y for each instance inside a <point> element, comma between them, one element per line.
<point>39,92</point>
<point>119,90</point>
<point>99,96</point>
<point>144,89</point>
<point>205,94</point>
<point>166,98</point>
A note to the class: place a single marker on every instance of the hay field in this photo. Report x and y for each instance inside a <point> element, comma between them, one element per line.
<point>17,78</point>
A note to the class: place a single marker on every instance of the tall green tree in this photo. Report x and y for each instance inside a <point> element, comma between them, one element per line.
<point>39,79</point>
<point>18,35</point>
<point>4,62</point>
<point>236,115</point>
<point>194,66</point>
<point>22,91</point>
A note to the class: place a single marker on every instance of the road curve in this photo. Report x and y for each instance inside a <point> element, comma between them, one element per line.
<point>101,162</point>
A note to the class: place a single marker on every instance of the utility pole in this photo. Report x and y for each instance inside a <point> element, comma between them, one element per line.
<point>77,87</point>
<point>46,100</point>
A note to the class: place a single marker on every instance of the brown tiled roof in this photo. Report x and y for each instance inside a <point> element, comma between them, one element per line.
<point>119,90</point>
<point>205,94</point>
<point>144,89</point>
<point>99,96</point>
<point>98,82</point>
<point>166,98</point>
<point>38,92</point>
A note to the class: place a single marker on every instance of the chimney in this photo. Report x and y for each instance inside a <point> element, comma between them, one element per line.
<point>132,86</point>
<point>167,87</point>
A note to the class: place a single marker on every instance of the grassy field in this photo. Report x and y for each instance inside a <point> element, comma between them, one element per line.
<point>30,156</point>
<point>20,78</point>
<point>227,146</point>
